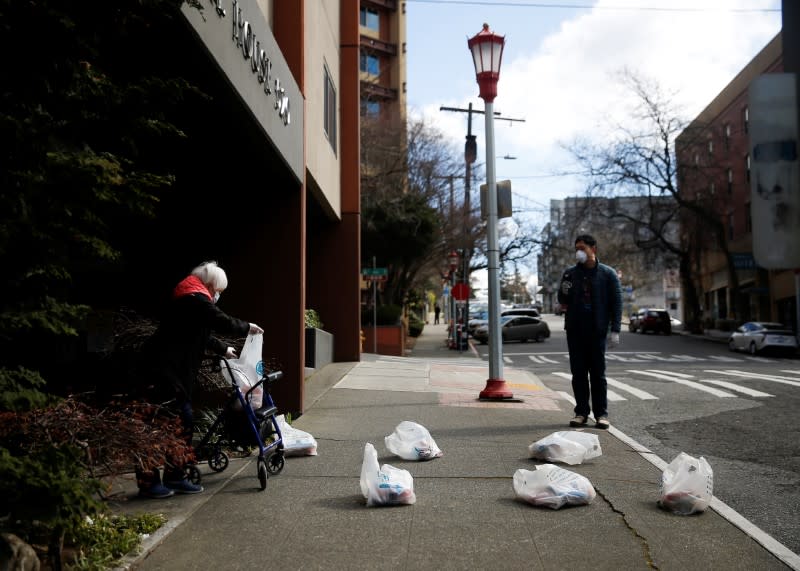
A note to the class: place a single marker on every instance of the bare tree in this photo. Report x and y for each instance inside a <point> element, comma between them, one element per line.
<point>405,176</point>
<point>640,160</point>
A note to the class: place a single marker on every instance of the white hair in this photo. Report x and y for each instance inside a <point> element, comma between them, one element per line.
<point>211,275</point>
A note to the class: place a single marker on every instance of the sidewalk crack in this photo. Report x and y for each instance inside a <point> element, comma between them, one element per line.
<point>648,556</point>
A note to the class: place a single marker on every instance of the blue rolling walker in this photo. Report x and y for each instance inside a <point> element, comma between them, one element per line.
<point>239,425</point>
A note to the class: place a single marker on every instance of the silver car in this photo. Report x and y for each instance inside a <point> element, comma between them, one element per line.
<point>516,328</point>
<point>756,336</point>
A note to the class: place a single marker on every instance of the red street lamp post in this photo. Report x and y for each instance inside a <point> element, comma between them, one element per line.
<point>487,54</point>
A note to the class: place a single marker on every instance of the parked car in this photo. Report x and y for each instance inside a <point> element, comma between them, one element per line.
<point>756,336</point>
<point>516,328</point>
<point>530,312</point>
<point>650,319</point>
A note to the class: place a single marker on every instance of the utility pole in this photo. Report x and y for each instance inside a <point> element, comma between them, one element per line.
<point>470,155</point>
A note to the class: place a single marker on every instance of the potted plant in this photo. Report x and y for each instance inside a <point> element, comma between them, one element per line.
<point>319,343</point>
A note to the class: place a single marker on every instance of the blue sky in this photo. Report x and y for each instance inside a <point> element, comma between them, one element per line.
<point>560,68</point>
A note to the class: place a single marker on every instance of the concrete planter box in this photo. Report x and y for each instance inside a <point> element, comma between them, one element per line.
<point>319,348</point>
<point>391,340</point>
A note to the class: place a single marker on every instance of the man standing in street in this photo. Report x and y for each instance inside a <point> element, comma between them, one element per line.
<point>592,296</point>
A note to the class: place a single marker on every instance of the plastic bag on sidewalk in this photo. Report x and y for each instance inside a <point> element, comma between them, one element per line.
<point>687,485</point>
<point>551,486</point>
<point>384,485</point>
<point>296,442</point>
<point>567,446</point>
<point>412,441</point>
<point>247,369</point>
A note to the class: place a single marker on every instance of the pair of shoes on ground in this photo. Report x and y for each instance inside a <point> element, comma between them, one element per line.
<point>170,488</point>
<point>580,420</point>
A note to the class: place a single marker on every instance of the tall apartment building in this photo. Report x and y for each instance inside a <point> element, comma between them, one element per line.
<point>649,274</point>
<point>383,59</point>
<point>714,169</point>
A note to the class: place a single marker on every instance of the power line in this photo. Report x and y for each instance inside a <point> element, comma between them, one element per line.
<point>590,6</point>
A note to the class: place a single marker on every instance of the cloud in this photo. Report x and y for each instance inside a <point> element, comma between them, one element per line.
<point>567,85</point>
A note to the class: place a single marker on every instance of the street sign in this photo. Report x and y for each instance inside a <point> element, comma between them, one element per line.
<point>461,292</point>
<point>375,274</point>
<point>503,200</point>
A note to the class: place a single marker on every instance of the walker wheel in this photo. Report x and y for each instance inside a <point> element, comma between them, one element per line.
<point>275,463</point>
<point>218,461</point>
<point>262,474</point>
<point>193,474</point>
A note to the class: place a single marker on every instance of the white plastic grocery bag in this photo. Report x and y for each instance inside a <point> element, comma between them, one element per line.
<point>296,442</point>
<point>248,368</point>
<point>412,441</point>
<point>567,446</point>
<point>687,485</point>
<point>551,486</point>
<point>384,485</point>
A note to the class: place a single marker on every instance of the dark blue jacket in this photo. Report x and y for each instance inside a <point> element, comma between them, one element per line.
<point>606,297</point>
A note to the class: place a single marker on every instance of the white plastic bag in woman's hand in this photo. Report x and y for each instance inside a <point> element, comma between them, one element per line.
<point>247,369</point>
<point>412,441</point>
<point>567,446</point>
<point>551,486</point>
<point>687,485</point>
<point>384,485</point>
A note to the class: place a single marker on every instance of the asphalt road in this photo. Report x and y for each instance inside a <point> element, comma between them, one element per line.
<point>683,394</point>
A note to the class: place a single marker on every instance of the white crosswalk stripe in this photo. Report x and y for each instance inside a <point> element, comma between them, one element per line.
<point>541,359</point>
<point>790,372</point>
<point>682,380</point>
<point>508,360</point>
<point>633,390</point>
<point>725,359</point>
<point>613,395</point>
<point>737,388</point>
<point>760,377</point>
<point>760,359</point>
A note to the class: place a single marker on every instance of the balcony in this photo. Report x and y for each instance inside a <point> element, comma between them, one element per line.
<point>378,45</point>
<point>375,91</point>
<point>390,5</point>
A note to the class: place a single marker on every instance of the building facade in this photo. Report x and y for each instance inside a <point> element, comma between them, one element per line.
<point>278,146</point>
<point>714,167</point>
<point>382,61</point>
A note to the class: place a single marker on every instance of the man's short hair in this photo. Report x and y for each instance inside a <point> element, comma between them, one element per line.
<point>587,239</point>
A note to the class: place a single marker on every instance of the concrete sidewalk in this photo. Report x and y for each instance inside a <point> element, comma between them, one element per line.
<point>312,515</point>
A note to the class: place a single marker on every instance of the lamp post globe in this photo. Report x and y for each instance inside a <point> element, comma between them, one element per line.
<point>452,260</point>
<point>487,55</point>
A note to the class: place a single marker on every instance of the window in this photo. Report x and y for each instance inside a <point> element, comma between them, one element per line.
<point>710,147</point>
<point>748,219</point>
<point>697,158</point>
<point>370,19</point>
<point>711,189</point>
<point>370,108</point>
<point>746,119</point>
<point>730,226</point>
<point>370,64</point>
<point>747,167</point>
<point>727,131</point>
<point>329,109</point>
<point>730,181</point>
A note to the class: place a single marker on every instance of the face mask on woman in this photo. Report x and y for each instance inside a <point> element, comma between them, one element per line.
<point>581,256</point>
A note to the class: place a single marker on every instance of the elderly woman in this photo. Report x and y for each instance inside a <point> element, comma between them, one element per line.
<point>174,353</point>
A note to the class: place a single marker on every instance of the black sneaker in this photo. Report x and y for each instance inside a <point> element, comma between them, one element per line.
<point>183,487</point>
<point>578,420</point>
<point>602,423</point>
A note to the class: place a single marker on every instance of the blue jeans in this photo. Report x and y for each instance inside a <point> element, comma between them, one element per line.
<point>587,363</point>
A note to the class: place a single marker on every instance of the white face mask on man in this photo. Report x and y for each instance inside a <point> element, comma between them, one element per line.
<point>581,256</point>
<point>216,296</point>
